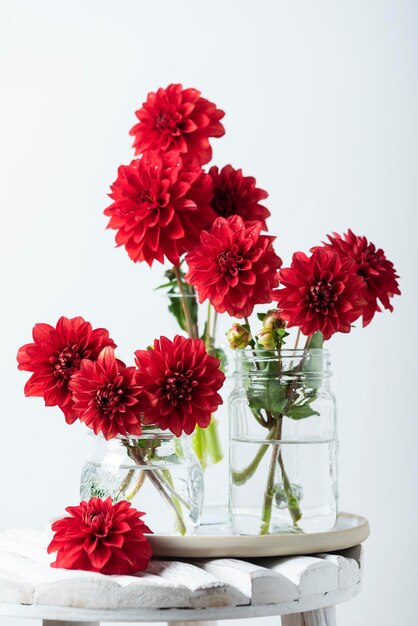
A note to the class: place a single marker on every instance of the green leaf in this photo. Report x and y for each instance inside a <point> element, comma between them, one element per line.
<point>272,397</point>
<point>171,284</point>
<point>256,400</point>
<point>314,364</point>
<point>176,309</point>
<point>199,446</point>
<point>301,411</point>
<point>276,397</point>
<point>220,354</point>
<point>213,443</point>
<point>261,316</point>
<point>317,341</point>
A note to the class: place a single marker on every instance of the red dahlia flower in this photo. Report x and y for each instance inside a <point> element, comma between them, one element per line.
<point>178,119</point>
<point>55,355</point>
<point>180,381</point>
<point>159,207</point>
<point>234,267</point>
<point>99,536</point>
<point>235,194</point>
<point>320,292</point>
<point>372,265</point>
<point>106,396</point>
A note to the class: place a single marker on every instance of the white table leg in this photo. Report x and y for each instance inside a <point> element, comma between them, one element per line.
<point>48,622</point>
<point>320,617</point>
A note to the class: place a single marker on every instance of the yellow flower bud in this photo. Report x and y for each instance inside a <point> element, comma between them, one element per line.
<point>267,338</point>
<point>273,320</point>
<point>238,337</point>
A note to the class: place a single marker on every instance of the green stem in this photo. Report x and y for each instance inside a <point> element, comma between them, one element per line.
<point>206,443</point>
<point>199,446</point>
<point>291,499</point>
<point>207,333</point>
<point>271,476</point>
<point>213,444</point>
<point>137,486</point>
<point>241,477</point>
<point>189,322</point>
<point>156,481</point>
<point>259,418</point>
<point>215,322</point>
<point>270,488</point>
<point>165,476</point>
<point>247,323</point>
<point>125,484</point>
<point>306,348</point>
<point>168,481</point>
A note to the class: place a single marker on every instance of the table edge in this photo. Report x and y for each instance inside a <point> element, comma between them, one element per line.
<point>62,613</point>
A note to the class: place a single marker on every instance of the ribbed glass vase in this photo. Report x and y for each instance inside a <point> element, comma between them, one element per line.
<point>283,443</point>
<point>158,472</point>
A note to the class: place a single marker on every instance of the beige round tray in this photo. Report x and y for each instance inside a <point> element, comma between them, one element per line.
<point>349,531</point>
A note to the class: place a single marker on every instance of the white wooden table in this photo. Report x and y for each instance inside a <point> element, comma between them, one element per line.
<point>303,589</point>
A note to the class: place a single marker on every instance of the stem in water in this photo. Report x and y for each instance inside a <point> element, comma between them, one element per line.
<point>189,322</point>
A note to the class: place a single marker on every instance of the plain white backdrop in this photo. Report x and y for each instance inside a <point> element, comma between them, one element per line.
<point>321,106</point>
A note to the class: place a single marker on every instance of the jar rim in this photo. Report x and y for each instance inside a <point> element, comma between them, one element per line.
<point>259,354</point>
<point>179,295</point>
<point>149,433</point>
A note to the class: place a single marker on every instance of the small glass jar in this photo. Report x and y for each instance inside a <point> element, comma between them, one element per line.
<point>283,443</point>
<point>158,472</point>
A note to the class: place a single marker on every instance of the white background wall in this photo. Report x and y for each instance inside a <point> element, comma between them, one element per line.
<point>321,100</point>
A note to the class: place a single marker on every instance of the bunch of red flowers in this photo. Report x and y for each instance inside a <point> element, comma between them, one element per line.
<point>341,281</point>
<point>165,206</point>
<point>174,385</point>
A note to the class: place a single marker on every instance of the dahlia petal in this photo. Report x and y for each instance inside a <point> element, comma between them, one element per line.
<point>188,126</point>
<point>34,387</point>
<point>41,332</point>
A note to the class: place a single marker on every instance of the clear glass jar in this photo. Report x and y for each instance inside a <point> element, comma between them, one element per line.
<point>283,443</point>
<point>158,472</point>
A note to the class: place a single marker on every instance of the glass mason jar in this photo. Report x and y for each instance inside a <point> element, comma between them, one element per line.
<point>283,443</point>
<point>158,472</point>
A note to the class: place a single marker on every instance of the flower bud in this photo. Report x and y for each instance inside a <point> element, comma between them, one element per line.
<point>272,320</point>
<point>267,338</point>
<point>238,337</point>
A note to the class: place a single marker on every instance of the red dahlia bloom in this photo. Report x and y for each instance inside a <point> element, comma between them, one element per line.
<point>99,536</point>
<point>372,265</point>
<point>159,207</point>
<point>320,292</point>
<point>235,194</point>
<point>106,396</point>
<point>180,381</point>
<point>179,119</point>
<point>55,355</point>
<point>234,267</point>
